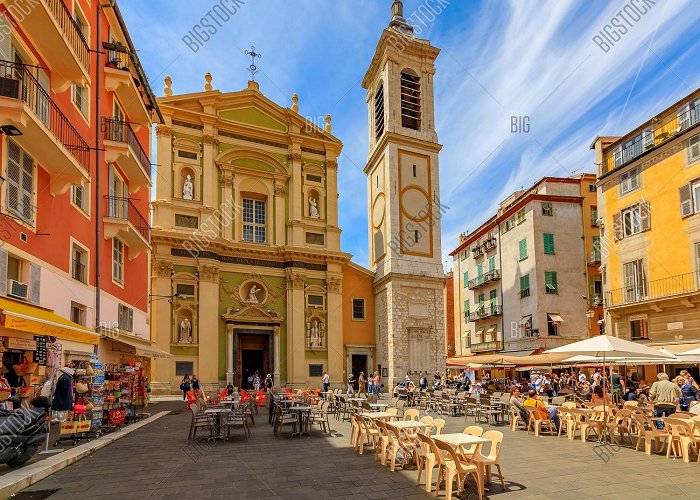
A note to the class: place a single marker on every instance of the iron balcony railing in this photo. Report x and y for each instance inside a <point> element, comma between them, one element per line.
<point>492,345</point>
<point>121,131</point>
<point>79,271</point>
<point>483,279</point>
<point>681,284</point>
<point>124,208</point>
<point>485,311</point>
<point>18,82</point>
<point>652,136</point>
<point>71,31</point>
<point>594,258</point>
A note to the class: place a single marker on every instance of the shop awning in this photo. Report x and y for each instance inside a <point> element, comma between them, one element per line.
<point>555,318</point>
<point>480,333</point>
<point>34,319</point>
<point>526,319</point>
<point>491,330</point>
<point>143,350</point>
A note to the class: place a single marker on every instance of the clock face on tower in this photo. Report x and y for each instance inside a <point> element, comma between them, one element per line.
<point>378,210</point>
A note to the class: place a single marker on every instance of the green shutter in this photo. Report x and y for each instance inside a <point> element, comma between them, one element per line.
<point>466,278</point>
<point>522,246</point>
<point>550,280</point>
<point>480,271</point>
<point>493,298</point>
<point>492,263</point>
<point>466,306</point>
<point>548,243</point>
<point>481,300</point>
<point>524,282</point>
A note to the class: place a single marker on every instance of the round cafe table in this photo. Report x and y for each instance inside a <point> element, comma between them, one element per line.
<point>303,412</point>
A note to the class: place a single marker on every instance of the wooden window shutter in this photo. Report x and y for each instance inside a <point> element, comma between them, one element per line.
<point>617,225</point>
<point>3,272</point>
<point>686,200</point>
<point>694,148</point>
<point>645,216</point>
<point>35,283</point>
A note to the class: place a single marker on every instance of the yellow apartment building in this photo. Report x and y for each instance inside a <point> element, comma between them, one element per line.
<point>649,207</point>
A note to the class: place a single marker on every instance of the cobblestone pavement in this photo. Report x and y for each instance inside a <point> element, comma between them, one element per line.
<point>158,462</point>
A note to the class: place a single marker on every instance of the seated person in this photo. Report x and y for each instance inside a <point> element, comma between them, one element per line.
<point>516,401</point>
<point>599,397</point>
<point>541,409</point>
<point>630,393</point>
<point>411,395</point>
<point>548,391</point>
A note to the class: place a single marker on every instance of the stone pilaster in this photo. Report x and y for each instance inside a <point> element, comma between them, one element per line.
<point>296,343</point>
<point>208,324</point>
<point>334,329</point>
<point>162,325</point>
<point>210,150</point>
<point>164,147</point>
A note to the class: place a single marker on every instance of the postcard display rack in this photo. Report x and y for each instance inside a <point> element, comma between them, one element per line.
<point>88,375</point>
<point>124,392</point>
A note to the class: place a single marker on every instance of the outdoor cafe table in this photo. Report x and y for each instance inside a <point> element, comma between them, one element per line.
<point>378,414</point>
<point>408,424</point>
<point>375,406</point>
<point>356,399</point>
<point>218,414</point>
<point>303,423</point>
<point>229,402</point>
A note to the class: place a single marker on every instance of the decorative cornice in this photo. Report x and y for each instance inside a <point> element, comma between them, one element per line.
<point>163,269</point>
<point>293,157</point>
<point>163,130</point>
<point>208,273</point>
<point>210,139</point>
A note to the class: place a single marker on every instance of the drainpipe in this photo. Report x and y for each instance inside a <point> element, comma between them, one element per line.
<point>98,156</point>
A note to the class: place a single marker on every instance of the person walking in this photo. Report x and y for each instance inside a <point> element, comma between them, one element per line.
<point>196,386</point>
<point>617,384</point>
<point>269,383</point>
<point>256,382</point>
<point>326,381</point>
<point>351,384</point>
<point>185,386</point>
<point>361,384</point>
<point>665,395</point>
<point>377,383</point>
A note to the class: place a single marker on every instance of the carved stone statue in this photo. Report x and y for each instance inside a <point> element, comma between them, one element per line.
<point>313,208</point>
<point>315,334</point>
<point>253,295</point>
<point>188,189</point>
<point>185,332</point>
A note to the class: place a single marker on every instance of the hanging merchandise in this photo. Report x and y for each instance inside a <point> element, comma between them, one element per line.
<point>40,352</point>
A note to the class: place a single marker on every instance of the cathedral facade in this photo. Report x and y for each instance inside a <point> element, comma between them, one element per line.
<point>248,275</point>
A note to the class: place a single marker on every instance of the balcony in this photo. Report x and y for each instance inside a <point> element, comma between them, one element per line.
<point>123,147</point>
<point>594,259</point>
<point>485,311</point>
<point>658,132</point>
<point>123,220</point>
<point>58,38</point>
<point>489,244</point>
<point>46,133</point>
<point>120,78</point>
<point>651,291</point>
<point>493,345</point>
<point>488,277</point>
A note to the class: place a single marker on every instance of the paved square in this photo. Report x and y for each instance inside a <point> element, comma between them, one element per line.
<point>158,462</point>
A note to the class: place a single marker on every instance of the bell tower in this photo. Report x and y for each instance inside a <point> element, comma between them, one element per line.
<point>404,201</point>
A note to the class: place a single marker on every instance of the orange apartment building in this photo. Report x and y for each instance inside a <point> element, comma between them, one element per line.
<point>75,114</point>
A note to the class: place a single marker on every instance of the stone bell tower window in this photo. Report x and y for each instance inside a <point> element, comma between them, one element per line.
<point>410,100</point>
<point>379,111</point>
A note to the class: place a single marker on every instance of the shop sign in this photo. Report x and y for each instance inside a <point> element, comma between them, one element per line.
<point>21,344</point>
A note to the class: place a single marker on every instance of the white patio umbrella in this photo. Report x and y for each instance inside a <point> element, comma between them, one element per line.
<point>692,353</point>
<point>607,347</point>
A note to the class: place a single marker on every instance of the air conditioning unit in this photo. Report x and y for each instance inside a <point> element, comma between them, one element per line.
<point>18,289</point>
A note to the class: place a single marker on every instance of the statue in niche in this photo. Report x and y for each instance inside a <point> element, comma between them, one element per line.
<point>313,208</point>
<point>315,334</point>
<point>185,332</point>
<point>188,189</point>
<point>253,294</point>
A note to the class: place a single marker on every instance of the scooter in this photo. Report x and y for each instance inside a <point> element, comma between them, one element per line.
<point>22,431</point>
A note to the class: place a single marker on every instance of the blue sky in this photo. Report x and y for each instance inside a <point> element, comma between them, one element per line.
<point>499,58</point>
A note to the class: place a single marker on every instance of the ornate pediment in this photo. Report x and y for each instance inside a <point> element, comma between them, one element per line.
<point>251,314</point>
<point>253,290</point>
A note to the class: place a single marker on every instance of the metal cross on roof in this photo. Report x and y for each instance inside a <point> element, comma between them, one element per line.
<point>253,55</point>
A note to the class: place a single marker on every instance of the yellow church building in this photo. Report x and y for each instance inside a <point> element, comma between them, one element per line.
<point>248,272</point>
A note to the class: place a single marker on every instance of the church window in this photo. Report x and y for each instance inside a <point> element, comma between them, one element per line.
<point>379,112</point>
<point>414,170</point>
<point>410,100</point>
<point>416,236</point>
<point>253,220</point>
